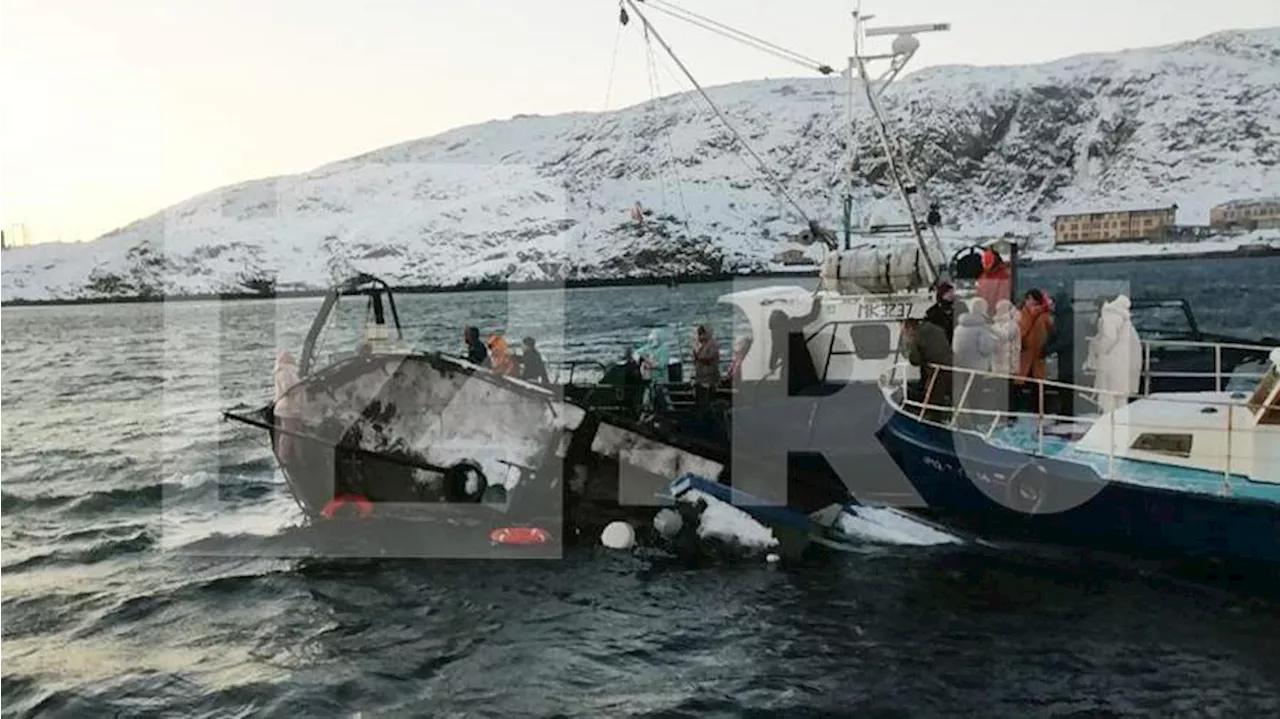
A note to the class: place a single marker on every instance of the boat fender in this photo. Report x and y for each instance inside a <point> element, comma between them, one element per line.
<point>363,507</point>
<point>465,482</point>
<point>520,536</point>
<point>618,535</point>
<point>1028,489</point>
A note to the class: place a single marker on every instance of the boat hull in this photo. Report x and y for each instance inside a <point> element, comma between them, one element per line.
<point>999,493</point>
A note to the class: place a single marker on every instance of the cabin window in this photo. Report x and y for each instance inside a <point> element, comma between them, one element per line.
<point>871,341</point>
<point>1177,445</point>
<point>1260,395</point>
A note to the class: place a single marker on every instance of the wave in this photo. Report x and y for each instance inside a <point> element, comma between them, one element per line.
<point>140,541</point>
<point>229,487</point>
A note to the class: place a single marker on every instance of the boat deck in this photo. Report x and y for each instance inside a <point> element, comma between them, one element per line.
<point>1021,435</point>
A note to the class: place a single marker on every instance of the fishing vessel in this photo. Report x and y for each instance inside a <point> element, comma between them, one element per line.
<point>1193,473</point>
<point>798,428</point>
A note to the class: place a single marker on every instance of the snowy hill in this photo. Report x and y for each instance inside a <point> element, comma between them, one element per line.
<point>1002,148</point>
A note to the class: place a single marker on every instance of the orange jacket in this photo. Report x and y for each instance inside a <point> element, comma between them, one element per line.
<point>500,356</point>
<point>1036,323</point>
<point>995,284</point>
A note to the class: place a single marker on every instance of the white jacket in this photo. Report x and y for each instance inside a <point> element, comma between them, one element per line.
<point>1008,340</point>
<point>1116,354</point>
<point>974,342</point>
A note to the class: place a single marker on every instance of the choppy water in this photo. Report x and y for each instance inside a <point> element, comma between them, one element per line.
<point>138,576</point>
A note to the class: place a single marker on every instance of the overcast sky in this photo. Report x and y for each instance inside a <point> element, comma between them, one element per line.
<point>111,110</point>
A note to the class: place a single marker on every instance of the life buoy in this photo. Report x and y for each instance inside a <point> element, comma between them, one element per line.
<point>520,536</point>
<point>364,507</point>
<point>465,482</point>
<point>1028,490</point>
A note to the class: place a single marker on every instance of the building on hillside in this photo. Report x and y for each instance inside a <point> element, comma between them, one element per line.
<point>1156,223</point>
<point>793,256</point>
<point>1253,214</point>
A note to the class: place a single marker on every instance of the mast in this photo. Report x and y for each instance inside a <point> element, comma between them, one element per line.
<point>904,48</point>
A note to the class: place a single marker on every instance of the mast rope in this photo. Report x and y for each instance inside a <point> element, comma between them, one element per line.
<point>671,149</point>
<point>745,38</point>
<point>764,168</point>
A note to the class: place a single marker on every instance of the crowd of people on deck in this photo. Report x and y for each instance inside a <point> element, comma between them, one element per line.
<point>993,336</point>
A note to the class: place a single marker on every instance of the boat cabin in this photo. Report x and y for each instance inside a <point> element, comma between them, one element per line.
<point>1231,433</point>
<point>851,324</point>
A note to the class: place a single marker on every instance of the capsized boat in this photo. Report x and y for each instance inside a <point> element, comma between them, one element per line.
<point>385,430</point>
<point>1169,474</point>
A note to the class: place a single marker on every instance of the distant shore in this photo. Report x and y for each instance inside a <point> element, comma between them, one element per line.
<point>1055,257</point>
<point>798,272</point>
<point>431,289</point>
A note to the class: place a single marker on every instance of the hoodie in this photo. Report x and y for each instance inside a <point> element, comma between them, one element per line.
<point>1007,357</point>
<point>974,342</point>
<point>1116,353</point>
<point>706,359</point>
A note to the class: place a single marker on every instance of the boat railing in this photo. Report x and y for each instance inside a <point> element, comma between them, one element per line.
<point>971,413</point>
<point>1218,374</point>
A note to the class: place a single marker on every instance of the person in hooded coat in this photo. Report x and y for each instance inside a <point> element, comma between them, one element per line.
<point>943,311</point>
<point>1115,355</point>
<point>288,405</point>
<point>706,357</point>
<point>927,348</point>
<point>974,342</point>
<point>996,281</point>
<point>654,355</point>
<point>1008,355</point>
<point>532,366</point>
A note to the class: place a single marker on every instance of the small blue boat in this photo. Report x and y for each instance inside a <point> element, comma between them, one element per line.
<point>1173,474</point>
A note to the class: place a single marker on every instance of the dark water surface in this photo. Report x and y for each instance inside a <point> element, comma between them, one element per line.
<point>139,532</point>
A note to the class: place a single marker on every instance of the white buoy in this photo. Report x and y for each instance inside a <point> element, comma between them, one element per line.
<point>773,558</point>
<point>618,535</point>
<point>668,522</point>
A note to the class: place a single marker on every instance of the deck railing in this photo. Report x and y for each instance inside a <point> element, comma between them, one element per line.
<point>1217,374</point>
<point>962,415</point>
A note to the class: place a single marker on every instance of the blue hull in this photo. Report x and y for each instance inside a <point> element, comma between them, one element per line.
<point>970,483</point>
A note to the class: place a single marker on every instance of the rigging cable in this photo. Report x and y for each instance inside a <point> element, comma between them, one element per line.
<point>763,167</point>
<point>732,33</point>
<point>652,110</point>
<point>671,150</point>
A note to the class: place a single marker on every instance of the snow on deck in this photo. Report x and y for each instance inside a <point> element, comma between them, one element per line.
<point>723,521</point>
<point>887,525</point>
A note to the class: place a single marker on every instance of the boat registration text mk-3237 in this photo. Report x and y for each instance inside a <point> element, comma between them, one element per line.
<point>896,310</point>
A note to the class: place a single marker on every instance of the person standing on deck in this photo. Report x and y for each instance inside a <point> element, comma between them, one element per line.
<point>1034,324</point>
<point>500,356</point>
<point>996,281</point>
<point>532,368</point>
<point>927,347</point>
<point>475,353</point>
<point>1116,355</point>
<point>706,364</point>
<point>943,312</point>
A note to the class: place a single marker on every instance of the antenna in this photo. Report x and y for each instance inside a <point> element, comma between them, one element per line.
<point>904,47</point>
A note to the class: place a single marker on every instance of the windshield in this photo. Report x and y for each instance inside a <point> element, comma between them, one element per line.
<point>341,335</point>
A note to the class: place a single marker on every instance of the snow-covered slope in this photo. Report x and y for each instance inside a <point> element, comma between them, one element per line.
<point>1002,148</point>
